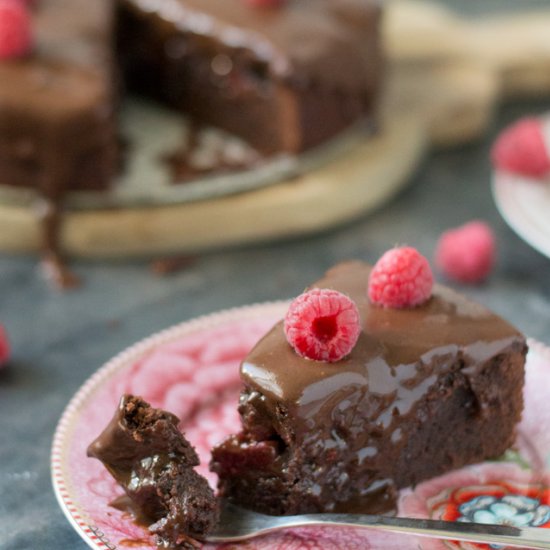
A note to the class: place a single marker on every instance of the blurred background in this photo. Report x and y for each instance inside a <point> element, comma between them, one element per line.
<point>60,339</point>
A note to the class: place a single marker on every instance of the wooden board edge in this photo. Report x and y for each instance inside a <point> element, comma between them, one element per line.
<point>350,186</point>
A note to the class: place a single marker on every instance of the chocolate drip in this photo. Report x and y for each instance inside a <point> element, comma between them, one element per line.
<point>199,159</point>
<point>54,267</point>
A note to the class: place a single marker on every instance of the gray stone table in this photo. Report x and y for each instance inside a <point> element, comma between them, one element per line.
<point>61,339</point>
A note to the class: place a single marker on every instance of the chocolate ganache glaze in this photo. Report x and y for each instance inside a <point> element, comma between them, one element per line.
<point>425,390</point>
<point>152,461</point>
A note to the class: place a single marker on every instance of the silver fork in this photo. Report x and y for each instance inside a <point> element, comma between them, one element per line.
<point>238,524</point>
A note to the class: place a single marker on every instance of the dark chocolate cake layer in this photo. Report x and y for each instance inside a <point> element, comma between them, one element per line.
<point>284,79</point>
<point>425,390</point>
<point>149,457</point>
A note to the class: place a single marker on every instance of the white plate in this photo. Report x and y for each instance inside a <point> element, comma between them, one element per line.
<point>525,205</point>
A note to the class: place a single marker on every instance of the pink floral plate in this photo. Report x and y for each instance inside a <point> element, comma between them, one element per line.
<point>192,370</point>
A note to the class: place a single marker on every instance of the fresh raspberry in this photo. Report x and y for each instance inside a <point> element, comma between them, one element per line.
<point>15,29</point>
<point>521,149</point>
<point>4,346</point>
<point>265,3</point>
<point>322,325</point>
<point>467,253</point>
<point>401,278</point>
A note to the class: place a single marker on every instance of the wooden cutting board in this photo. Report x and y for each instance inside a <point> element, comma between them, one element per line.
<point>445,78</point>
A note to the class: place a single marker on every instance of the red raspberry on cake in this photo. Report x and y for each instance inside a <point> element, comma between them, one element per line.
<point>466,253</point>
<point>522,149</point>
<point>401,278</point>
<point>4,346</point>
<point>15,29</point>
<point>322,325</point>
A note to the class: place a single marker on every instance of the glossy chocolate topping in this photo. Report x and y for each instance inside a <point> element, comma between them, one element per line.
<point>319,41</point>
<point>386,356</point>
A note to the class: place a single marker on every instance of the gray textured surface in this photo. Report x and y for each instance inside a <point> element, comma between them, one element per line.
<point>61,339</point>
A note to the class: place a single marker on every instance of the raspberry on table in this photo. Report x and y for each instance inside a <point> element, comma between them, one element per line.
<point>521,149</point>
<point>4,346</point>
<point>401,278</point>
<point>15,29</point>
<point>322,325</point>
<point>467,253</point>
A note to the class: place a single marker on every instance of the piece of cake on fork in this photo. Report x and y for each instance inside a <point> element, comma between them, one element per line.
<point>144,450</point>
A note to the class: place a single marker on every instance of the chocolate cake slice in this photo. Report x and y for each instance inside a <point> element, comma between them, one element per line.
<point>284,78</point>
<point>56,104</point>
<point>425,390</point>
<point>57,123</point>
<point>152,461</point>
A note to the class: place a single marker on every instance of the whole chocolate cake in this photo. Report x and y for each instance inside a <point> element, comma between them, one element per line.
<point>150,458</point>
<point>424,390</point>
<point>284,77</point>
